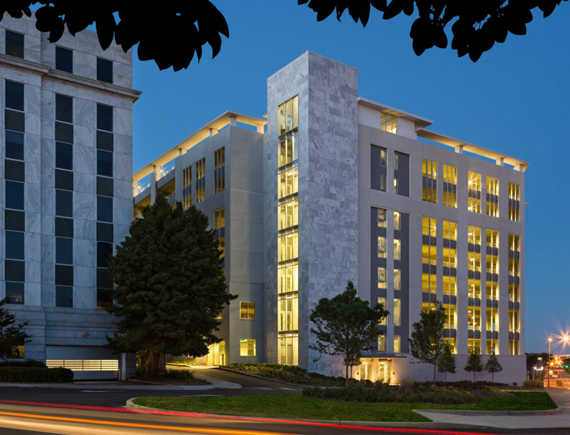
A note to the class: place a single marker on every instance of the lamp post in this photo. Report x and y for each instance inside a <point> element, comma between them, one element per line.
<point>548,366</point>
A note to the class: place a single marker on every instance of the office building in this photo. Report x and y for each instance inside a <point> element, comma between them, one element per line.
<point>66,152</point>
<point>332,187</point>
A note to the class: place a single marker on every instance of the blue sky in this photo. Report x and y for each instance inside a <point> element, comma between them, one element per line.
<point>515,99</point>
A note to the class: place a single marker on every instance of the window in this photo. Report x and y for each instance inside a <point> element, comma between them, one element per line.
<point>105,141</point>
<point>382,156</point>
<point>381,247</point>
<point>14,95</point>
<point>450,230</point>
<point>104,253</point>
<point>397,249</point>
<point>104,163</point>
<point>389,123</point>
<point>63,250</point>
<point>104,209</point>
<point>381,343</point>
<point>397,344</point>
<point>382,183</point>
<point>289,115</point>
<point>474,235</point>
<point>397,312</point>
<point>104,117</point>
<point>105,186</point>
<point>397,279</point>
<point>219,224</point>
<point>219,170</point>
<point>64,296</point>
<point>64,203</point>
<point>187,186</point>
<point>396,161</point>
<point>14,145</point>
<point>104,299</point>
<point>200,180</point>
<point>63,108</point>
<point>14,292</point>
<point>288,313</point>
<point>450,186</point>
<point>289,213</point>
<point>474,192</point>
<point>382,301</point>
<point>429,255</point>
<point>63,59</point>
<point>381,218</point>
<point>382,277</point>
<point>14,220</point>
<point>514,201</point>
<point>64,227</point>
<point>429,181</point>
<point>14,195</point>
<point>492,199</point>
<point>105,232</point>
<point>14,170</point>
<point>246,347</point>
<point>14,44</point>
<point>397,221</point>
<point>63,155</point>
<point>15,245</point>
<point>18,352</point>
<point>514,242</point>
<point>104,70</point>
<point>247,310</point>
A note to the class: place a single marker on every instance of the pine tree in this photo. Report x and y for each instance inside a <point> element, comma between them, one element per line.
<point>474,363</point>
<point>426,343</point>
<point>170,286</point>
<point>493,366</point>
<point>11,334</point>
<point>447,363</point>
<point>345,325</point>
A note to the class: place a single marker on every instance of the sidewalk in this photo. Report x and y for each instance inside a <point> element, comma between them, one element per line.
<point>115,385</point>
<point>561,397</point>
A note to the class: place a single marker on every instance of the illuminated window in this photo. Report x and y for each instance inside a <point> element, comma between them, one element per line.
<point>288,181</point>
<point>382,301</point>
<point>396,161</point>
<point>381,218</point>
<point>474,318</point>
<point>397,249</point>
<point>429,283</point>
<point>381,343</point>
<point>474,261</point>
<point>474,235</point>
<point>474,192</point>
<point>397,221</point>
<point>450,186</point>
<point>514,325</point>
<point>288,314</point>
<point>397,344</point>
<point>514,242</point>
<point>473,344</point>
<point>395,186</point>
<point>429,255</point>
<point>382,156</point>
<point>288,114</point>
<point>429,227</point>
<point>397,312</point>
<point>288,244</point>
<point>493,290</point>
<point>450,230</point>
<point>389,123</point>
<point>450,312</point>
<point>492,239</point>
<point>200,180</point>
<point>452,343</point>
<point>450,258</point>
<point>474,288</point>
<point>429,181</point>
<point>17,352</point>
<point>514,201</point>
<point>492,200</point>
<point>246,347</point>
<point>247,310</point>
<point>187,186</point>
<point>289,213</point>
<point>514,347</point>
<point>382,277</point>
<point>288,279</point>
<point>383,183</point>
<point>449,285</point>
<point>381,247</point>
<point>219,170</point>
<point>219,224</point>
<point>397,279</point>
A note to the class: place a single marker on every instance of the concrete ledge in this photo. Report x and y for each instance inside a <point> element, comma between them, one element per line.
<point>265,379</point>
<point>491,413</point>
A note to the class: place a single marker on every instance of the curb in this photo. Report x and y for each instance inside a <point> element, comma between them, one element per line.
<point>264,379</point>
<point>491,413</point>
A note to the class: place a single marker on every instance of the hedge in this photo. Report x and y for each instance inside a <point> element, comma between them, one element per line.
<point>35,375</point>
<point>27,363</point>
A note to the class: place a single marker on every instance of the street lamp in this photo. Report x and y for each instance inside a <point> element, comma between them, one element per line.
<point>549,343</point>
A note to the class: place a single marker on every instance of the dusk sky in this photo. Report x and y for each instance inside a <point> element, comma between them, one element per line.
<point>515,100</point>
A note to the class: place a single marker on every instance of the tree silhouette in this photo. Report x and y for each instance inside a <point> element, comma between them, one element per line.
<point>173,32</point>
<point>426,342</point>
<point>493,366</point>
<point>474,363</point>
<point>477,25</point>
<point>447,363</point>
<point>11,334</point>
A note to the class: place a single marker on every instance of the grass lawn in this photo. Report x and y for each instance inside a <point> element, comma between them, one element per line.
<point>307,408</point>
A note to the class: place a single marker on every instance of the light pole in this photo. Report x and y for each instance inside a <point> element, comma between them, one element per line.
<point>548,365</point>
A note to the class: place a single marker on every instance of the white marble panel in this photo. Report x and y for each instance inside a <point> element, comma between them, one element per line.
<point>32,103</point>
<point>84,229</point>
<point>84,298</point>
<point>32,148</point>
<point>33,173</point>
<point>48,246</point>
<point>84,206</point>
<point>85,113</point>
<point>124,81</point>
<point>84,159</point>
<point>33,124</point>
<point>84,59</point>
<point>48,295</point>
<point>47,225</point>
<point>34,271</point>
<point>48,130</point>
<point>33,295</point>
<point>123,144</point>
<point>34,222</point>
<point>48,273</point>
<point>32,46</point>
<point>84,71</point>
<point>19,75</point>
<point>121,232</point>
<point>84,253</point>
<point>48,105</point>
<point>123,121</point>
<point>48,177</point>
<point>48,153</point>
<point>123,189</point>
<point>84,183</point>
<point>84,136</point>
<point>66,41</point>
<point>84,276</point>
<point>33,247</point>
<point>48,200</point>
<point>123,211</point>
<point>32,198</point>
<point>60,87</point>
<point>123,166</point>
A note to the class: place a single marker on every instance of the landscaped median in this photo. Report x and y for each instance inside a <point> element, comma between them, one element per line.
<point>311,408</point>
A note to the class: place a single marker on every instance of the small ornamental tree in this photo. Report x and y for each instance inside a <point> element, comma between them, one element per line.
<point>426,343</point>
<point>170,286</point>
<point>447,363</point>
<point>11,334</point>
<point>493,366</point>
<point>346,325</point>
<point>474,363</point>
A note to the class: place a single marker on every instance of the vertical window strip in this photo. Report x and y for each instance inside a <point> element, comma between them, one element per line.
<point>429,181</point>
<point>474,192</point>
<point>219,170</point>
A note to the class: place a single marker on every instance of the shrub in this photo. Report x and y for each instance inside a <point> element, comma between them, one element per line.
<point>27,363</point>
<point>35,374</point>
<point>537,383</point>
<point>181,375</point>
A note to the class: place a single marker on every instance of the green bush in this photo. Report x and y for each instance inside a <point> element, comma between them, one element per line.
<point>27,363</point>
<point>181,375</point>
<point>292,374</point>
<point>35,375</point>
<point>536,383</point>
<point>385,393</point>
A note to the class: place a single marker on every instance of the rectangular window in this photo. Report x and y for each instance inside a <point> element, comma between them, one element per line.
<point>288,115</point>
<point>492,198</point>
<point>104,253</point>
<point>397,312</point>
<point>15,121</point>
<point>105,141</point>
<point>219,170</point>
<point>247,310</point>
<point>246,347</point>
<point>389,123</point>
<point>104,299</point>
<point>381,247</point>
<point>14,170</point>
<point>187,186</point>
<point>429,254</point>
<point>382,277</point>
<point>449,285</point>
<point>64,227</point>
<point>104,117</point>
<point>15,195</point>
<point>381,218</point>
<point>63,155</point>
<point>18,352</point>
<point>382,183</point>
<point>450,186</point>
<point>200,180</point>
<point>429,181</point>
<point>14,270</point>
<point>15,245</point>
<point>289,213</point>
<point>64,59</point>
<point>14,44</point>
<point>15,293</point>
<point>397,249</point>
<point>63,179</point>
<point>474,235</point>
<point>63,108</point>
<point>105,232</point>
<point>450,230</point>
<point>104,209</point>
<point>492,239</point>
<point>14,145</point>
<point>104,163</point>
<point>63,203</point>
<point>382,301</point>
<point>63,132</point>
<point>104,70</point>
<point>14,220</point>
<point>397,279</point>
<point>474,192</point>
<point>429,283</point>
<point>514,202</point>
<point>288,179</point>
<point>429,226</point>
<point>514,243</point>
<point>397,221</point>
<point>64,296</point>
<point>105,186</point>
<point>397,344</point>
<point>288,313</point>
<point>381,343</point>
<point>219,223</point>
<point>14,95</point>
<point>63,250</point>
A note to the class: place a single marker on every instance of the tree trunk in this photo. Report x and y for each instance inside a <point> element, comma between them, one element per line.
<point>150,362</point>
<point>346,376</point>
<point>474,377</point>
